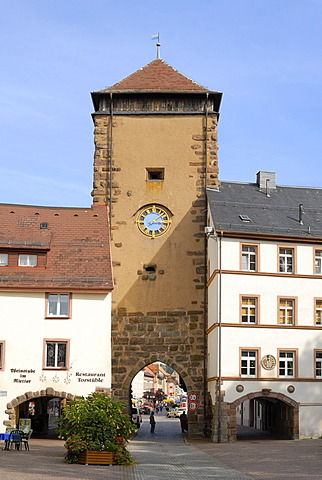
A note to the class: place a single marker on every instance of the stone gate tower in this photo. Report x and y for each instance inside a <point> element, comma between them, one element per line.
<point>155,152</point>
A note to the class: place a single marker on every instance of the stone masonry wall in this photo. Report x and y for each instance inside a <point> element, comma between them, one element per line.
<point>175,338</point>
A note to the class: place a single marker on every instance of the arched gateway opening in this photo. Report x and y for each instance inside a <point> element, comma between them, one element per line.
<point>265,411</point>
<point>40,409</point>
<point>159,388</point>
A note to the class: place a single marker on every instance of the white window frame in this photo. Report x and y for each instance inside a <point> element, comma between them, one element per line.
<point>27,260</point>
<point>248,363</point>
<point>59,304</point>
<point>4,257</point>
<point>318,363</point>
<point>288,307</point>
<point>249,317</point>
<point>286,260</point>
<point>286,364</point>
<point>56,363</point>
<point>249,258</point>
<point>318,262</point>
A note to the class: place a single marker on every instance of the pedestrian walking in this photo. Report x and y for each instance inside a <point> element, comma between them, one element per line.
<point>184,422</point>
<point>152,422</point>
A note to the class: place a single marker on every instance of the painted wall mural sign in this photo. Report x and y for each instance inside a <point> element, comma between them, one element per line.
<point>90,377</point>
<point>22,374</point>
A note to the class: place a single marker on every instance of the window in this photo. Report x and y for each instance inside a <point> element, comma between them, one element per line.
<point>56,354</point>
<point>58,305</point>
<point>155,174</point>
<point>286,366</point>
<point>249,257</point>
<point>27,260</point>
<point>286,311</point>
<point>3,259</point>
<point>318,364</point>
<point>286,260</point>
<point>248,363</point>
<point>318,262</point>
<point>318,311</point>
<point>249,310</point>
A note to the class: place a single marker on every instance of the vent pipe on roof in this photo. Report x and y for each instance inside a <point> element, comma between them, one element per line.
<point>158,51</point>
<point>267,188</point>
<point>301,211</point>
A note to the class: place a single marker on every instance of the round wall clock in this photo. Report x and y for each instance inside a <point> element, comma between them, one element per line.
<point>153,220</point>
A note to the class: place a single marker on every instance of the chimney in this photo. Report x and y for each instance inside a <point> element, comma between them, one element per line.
<point>266,181</point>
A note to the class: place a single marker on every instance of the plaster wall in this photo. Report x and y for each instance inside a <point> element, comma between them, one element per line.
<point>156,142</point>
<point>24,331</point>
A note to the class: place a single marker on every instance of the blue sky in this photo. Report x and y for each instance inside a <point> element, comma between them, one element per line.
<point>264,55</point>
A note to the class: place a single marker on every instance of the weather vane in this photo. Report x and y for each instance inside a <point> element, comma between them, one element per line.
<point>157,37</point>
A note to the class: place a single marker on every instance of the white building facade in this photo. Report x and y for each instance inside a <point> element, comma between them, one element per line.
<point>265,309</point>
<point>55,304</point>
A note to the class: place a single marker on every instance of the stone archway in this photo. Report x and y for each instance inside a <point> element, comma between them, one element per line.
<point>140,364</point>
<point>28,396</point>
<point>175,338</point>
<point>229,413</point>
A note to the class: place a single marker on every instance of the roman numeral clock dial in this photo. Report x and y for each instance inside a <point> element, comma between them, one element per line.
<point>153,221</point>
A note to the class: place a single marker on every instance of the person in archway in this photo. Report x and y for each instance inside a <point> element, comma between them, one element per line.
<point>184,422</point>
<point>152,422</point>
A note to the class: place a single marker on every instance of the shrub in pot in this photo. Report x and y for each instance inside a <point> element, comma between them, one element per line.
<point>95,423</point>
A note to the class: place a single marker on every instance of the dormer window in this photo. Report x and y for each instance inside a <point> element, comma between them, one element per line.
<point>3,259</point>
<point>27,260</point>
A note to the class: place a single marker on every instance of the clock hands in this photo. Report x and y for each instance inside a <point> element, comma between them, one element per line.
<point>154,221</point>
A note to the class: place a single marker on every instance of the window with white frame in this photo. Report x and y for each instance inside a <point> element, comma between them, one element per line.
<point>318,312</point>
<point>58,305</point>
<point>27,260</point>
<point>56,354</point>
<point>286,311</point>
<point>248,363</point>
<point>318,364</point>
<point>286,260</point>
<point>318,262</point>
<point>3,259</point>
<point>249,310</point>
<point>249,258</point>
<point>286,364</point>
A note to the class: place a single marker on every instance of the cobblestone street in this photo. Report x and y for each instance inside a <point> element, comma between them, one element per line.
<point>165,455</point>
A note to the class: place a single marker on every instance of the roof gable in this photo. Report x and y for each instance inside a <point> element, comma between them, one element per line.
<point>156,76</point>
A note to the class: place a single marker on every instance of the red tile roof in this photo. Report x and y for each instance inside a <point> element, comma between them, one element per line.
<point>157,76</point>
<point>75,242</point>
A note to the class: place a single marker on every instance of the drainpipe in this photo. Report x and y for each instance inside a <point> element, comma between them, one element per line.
<point>219,333</point>
<point>110,160</point>
<point>205,308</point>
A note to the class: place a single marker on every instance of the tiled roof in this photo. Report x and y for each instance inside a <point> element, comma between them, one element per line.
<point>75,241</point>
<point>157,76</point>
<point>276,214</point>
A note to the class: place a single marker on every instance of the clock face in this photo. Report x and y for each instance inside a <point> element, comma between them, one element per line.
<point>153,221</point>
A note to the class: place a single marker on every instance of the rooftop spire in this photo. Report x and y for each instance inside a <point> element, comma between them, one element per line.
<point>158,44</point>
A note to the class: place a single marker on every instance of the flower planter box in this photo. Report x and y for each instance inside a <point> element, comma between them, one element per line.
<point>90,457</point>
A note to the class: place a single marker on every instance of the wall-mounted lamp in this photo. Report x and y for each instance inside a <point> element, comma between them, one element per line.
<point>209,231</point>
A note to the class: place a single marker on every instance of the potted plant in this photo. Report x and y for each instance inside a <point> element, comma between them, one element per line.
<point>95,430</point>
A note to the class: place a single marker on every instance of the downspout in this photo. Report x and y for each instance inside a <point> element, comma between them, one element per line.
<point>110,132</point>
<point>205,309</point>
<point>219,335</point>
